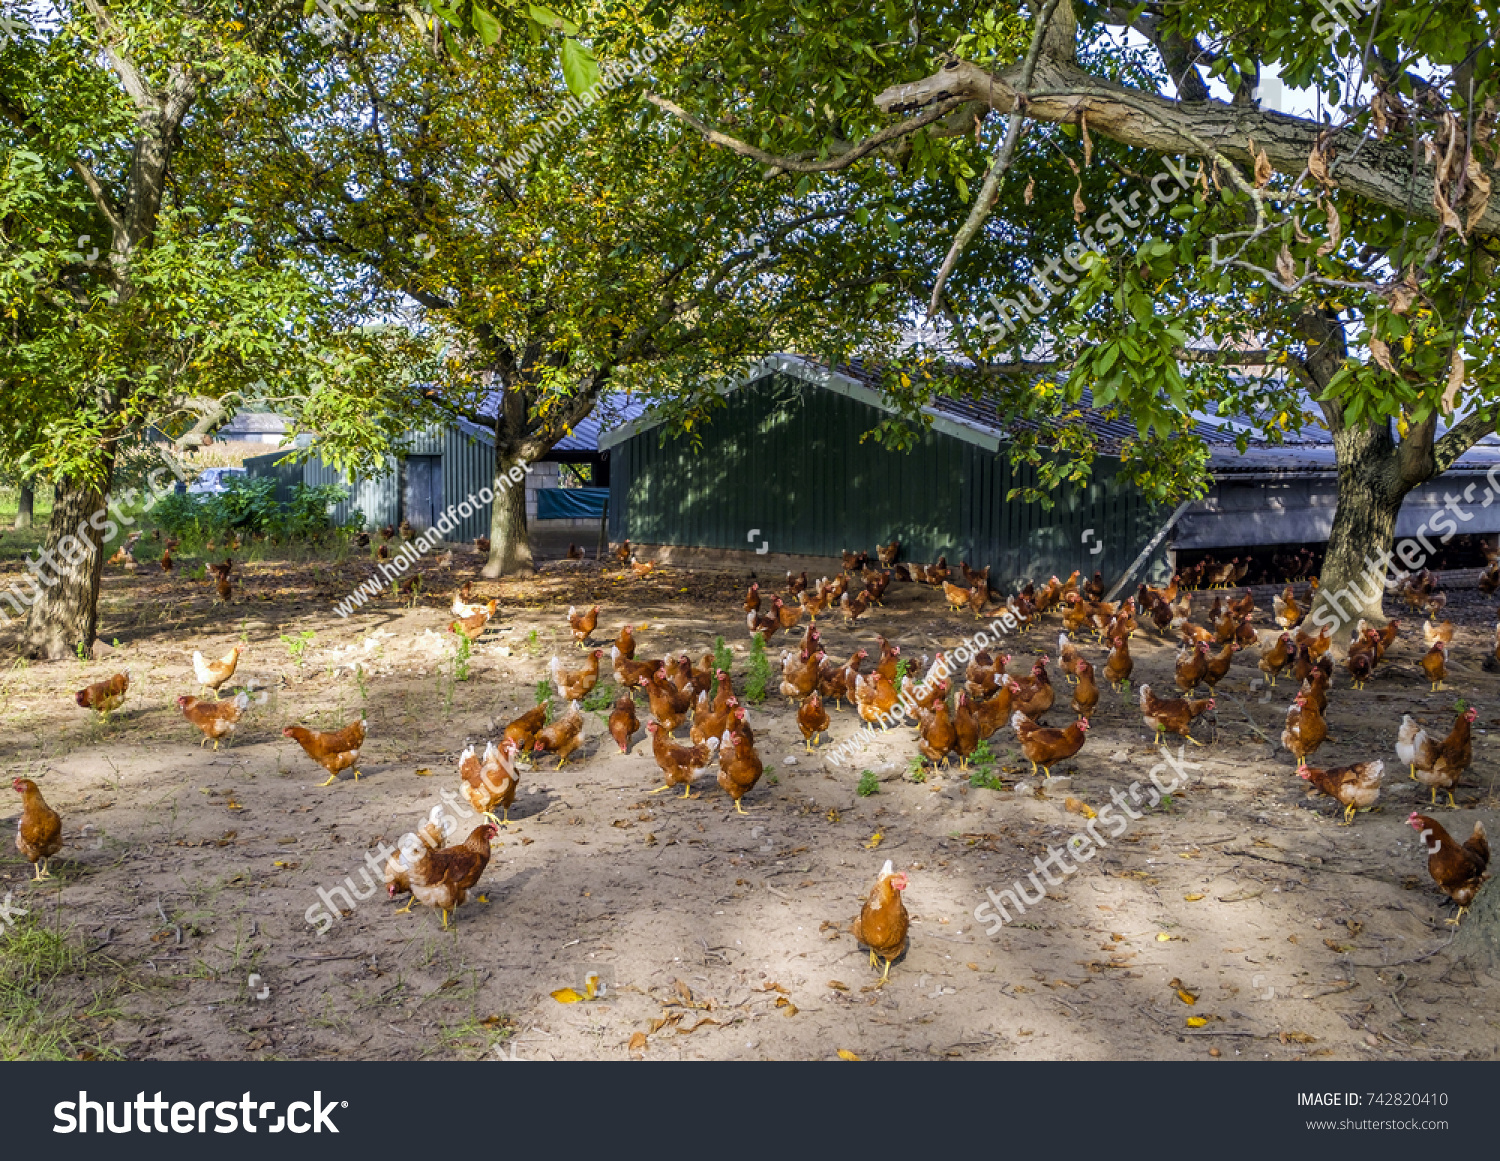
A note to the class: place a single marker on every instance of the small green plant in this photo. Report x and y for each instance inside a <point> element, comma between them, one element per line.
<point>982,779</point>
<point>245,631</point>
<point>771,776</point>
<point>868,784</point>
<point>359,680</point>
<point>601,697</point>
<point>760,671</point>
<point>1460,706</point>
<point>903,667</point>
<point>533,642</point>
<point>544,695</point>
<point>297,646</point>
<point>982,756</point>
<point>461,658</point>
<point>723,659</point>
<point>83,652</point>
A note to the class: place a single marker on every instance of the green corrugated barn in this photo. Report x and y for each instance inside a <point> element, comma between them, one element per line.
<point>785,457</point>
<point>436,466</point>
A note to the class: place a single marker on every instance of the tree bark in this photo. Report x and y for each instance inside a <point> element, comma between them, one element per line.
<point>1370,492</point>
<point>510,539</point>
<point>65,613</point>
<point>25,506</point>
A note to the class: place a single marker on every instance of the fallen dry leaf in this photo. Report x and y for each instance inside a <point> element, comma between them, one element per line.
<point>845,1054</point>
<point>566,996</point>
<point>638,1042</point>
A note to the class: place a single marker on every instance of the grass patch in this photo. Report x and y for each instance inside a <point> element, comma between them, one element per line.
<point>40,1019</point>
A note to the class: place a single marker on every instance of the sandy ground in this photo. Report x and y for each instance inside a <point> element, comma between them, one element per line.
<point>189,873</point>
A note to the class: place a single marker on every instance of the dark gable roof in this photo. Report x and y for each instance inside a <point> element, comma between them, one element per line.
<point>612,410</point>
<point>976,420</point>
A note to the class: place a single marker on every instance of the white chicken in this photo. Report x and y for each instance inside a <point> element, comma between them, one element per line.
<point>1414,747</point>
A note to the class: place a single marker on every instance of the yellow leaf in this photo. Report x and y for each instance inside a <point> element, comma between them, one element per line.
<point>424,772</point>
<point>638,1042</point>
<point>874,841</point>
<point>1163,937</point>
<point>1186,997</point>
<point>1196,1021</point>
<point>566,996</point>
<point>1192,898</point>
<point>845,1054</point>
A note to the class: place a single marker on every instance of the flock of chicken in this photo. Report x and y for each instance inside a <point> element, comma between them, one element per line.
<point>991,698</point>
<point>702,697</point>
<point>39,835</point>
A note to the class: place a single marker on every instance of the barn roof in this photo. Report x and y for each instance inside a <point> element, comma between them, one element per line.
<point>612,409</point>
<point>976,421</point>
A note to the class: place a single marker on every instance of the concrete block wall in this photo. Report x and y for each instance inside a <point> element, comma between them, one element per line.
<point>541,476</point>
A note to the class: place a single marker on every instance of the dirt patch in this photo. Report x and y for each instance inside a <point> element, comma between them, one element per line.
<point>189,874</point>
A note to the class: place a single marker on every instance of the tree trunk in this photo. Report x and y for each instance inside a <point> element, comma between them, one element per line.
<point>510,541</point>
<point>25,506</point>
<point>67,610</point>
<point>1351,584</point>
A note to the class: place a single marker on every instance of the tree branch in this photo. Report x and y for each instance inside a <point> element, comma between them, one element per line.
<point>797,165</point>
<point>1385,172</point>
<point>26,124</point>
<point>989,190</point>
<point>1458,439</point>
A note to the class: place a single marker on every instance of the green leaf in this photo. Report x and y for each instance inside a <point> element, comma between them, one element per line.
<point>486,25</point>
<point>550,19</point>
<point>580,69</point>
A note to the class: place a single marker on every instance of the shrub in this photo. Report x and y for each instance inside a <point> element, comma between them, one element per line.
<point>760,672</point>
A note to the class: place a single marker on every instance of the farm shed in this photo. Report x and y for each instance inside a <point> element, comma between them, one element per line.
<point>439,465</point>
<point>445,464</point>
<point>783,465</point>
<point>1276,497</point>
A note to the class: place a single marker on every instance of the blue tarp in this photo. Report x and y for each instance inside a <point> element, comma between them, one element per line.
<point>571,503</point>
